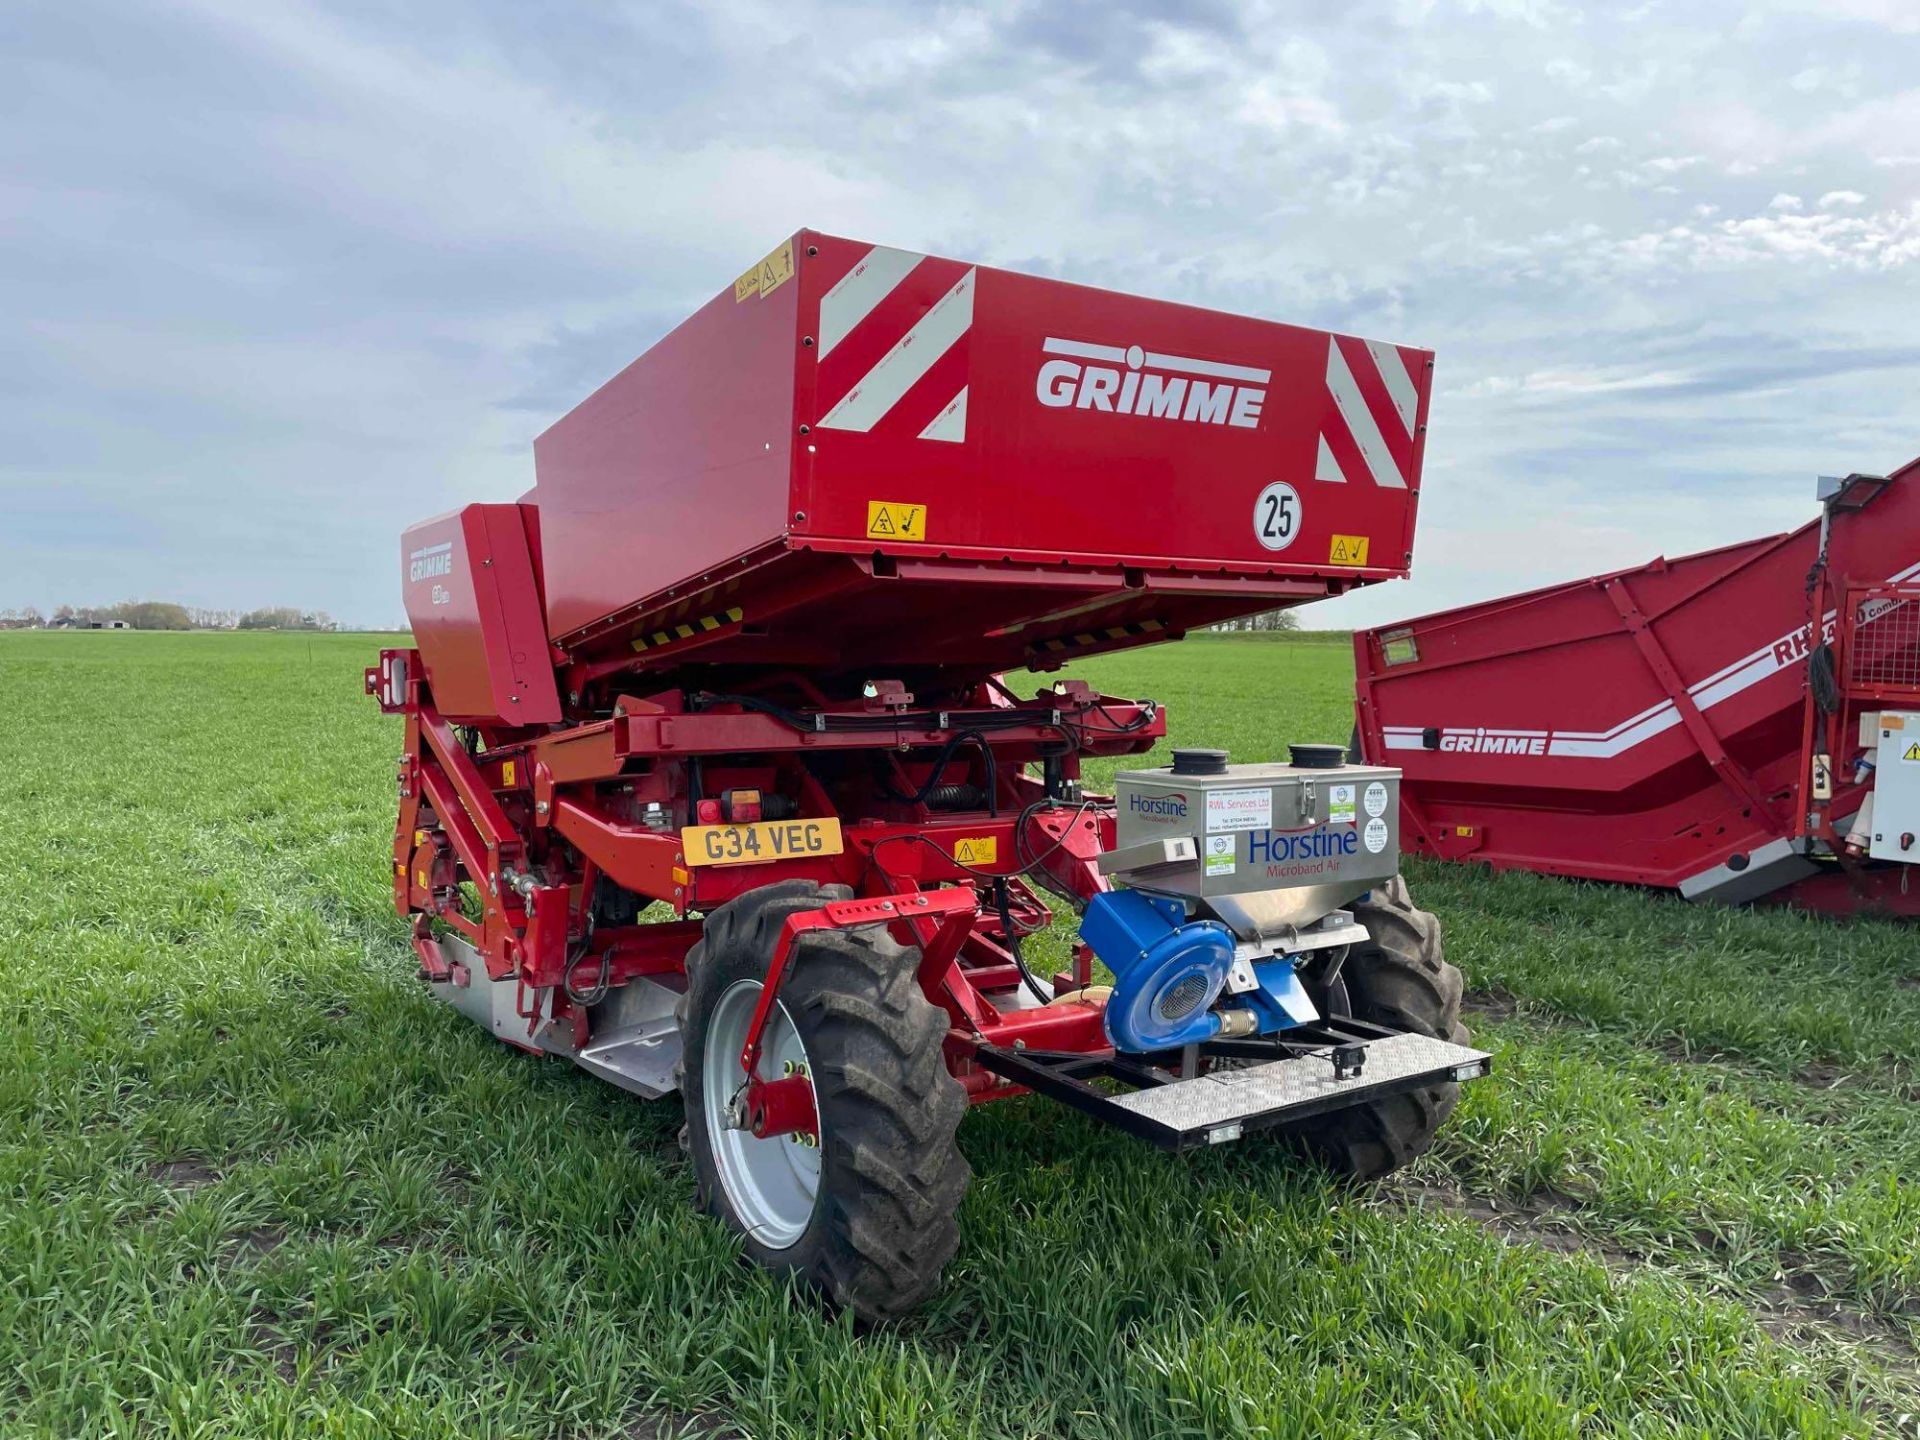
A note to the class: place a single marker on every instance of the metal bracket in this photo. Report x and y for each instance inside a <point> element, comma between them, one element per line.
<point>957,905</point>
<point>1283,1079</point>
<point>1174,850</point>
<point>1735,776</point>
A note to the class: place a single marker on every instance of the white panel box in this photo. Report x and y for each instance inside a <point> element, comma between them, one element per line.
<point>1896,789</point>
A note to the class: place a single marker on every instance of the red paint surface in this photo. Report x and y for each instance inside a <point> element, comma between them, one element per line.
<point>693,457</point>
<point>1562,662</point>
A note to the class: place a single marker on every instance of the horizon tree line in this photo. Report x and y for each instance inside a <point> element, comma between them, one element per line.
<point>166,615</point>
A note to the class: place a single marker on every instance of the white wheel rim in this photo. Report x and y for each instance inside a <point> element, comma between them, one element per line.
<point>770,1183</point>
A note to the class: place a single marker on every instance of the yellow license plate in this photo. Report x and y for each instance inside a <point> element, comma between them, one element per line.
<point>758,843</point>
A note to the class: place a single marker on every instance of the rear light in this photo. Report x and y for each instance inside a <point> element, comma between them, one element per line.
<point>707,812</point>
<point>741,807</point>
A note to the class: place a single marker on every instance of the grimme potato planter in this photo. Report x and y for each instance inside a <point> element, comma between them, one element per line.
<point>713,783</point>
<point>1738,725</point>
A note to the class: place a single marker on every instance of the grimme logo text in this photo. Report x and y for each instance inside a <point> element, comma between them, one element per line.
<point>1136,381</point>
<point>432,561</point>
<point>1495,744</point>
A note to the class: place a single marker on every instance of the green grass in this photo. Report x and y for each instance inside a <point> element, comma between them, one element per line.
<point>254,1182</point>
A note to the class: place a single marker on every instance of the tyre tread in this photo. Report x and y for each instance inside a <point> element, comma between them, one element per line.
<point>892,1173</point>
<point>1401,980</point>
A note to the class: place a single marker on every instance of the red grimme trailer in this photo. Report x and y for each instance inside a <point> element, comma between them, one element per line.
<point>716,779</point>
<point>1738,725</point>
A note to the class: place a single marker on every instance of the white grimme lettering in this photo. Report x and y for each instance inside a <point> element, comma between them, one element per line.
<point>1063,384</point>
<point>1160,395</point>
<point>1495,744</point>
<point>1097,387</point>
<point>1207,402</point>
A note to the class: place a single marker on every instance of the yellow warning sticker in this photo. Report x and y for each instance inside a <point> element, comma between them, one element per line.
<point>892,520</point>
<point>977,850</point>
<point>506,772</point>
<point>1348,550</point>
<point>770,274</point>
<point>1913,753</point>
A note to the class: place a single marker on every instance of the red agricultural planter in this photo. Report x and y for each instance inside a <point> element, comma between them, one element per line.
<point>1737,725</point>
<point>715,782</point>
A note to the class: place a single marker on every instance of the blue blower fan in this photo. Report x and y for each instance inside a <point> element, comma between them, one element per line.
<point>1167,973</point>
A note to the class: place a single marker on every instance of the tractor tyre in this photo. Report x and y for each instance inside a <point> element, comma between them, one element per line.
<point>1400,979</point>
<point>868,1214</point>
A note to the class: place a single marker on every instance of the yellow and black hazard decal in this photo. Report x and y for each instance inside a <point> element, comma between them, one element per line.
<point>894,520</point>
<point>977,850</point>
<point>770,274</point>
<point>1913,752</point>
<point>1105,635</point>
<point>686,629</point>
<point>1348,550</point>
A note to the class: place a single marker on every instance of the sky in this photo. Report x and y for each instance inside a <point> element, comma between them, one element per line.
<point>278,279</point>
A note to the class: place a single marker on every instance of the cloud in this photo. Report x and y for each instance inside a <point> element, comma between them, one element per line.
<point>281,278</point>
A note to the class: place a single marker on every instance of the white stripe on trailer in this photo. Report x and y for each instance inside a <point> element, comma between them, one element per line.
<point>880,389</point>
<point>1360,423</point>
<point>1598,747</point>
<point>1325,467</point>
<point>1723,685</point>
<point>1712,685</point>
<point>442,548</point>
<point>876,275</point>
<point>1154,360</point>
<point>1084,350</point>
<point>1400,387</point>
<point>951,422</point>
<point>1622,727</point>
<point>1217,368</point>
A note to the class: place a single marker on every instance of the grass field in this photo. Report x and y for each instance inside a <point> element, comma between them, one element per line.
<point>253,1182</point>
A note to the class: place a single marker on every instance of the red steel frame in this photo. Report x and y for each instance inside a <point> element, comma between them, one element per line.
<point>498,816</point>
<point>1873,669</point>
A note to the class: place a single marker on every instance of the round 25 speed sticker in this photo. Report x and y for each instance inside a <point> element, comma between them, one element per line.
<point>1276,516</point>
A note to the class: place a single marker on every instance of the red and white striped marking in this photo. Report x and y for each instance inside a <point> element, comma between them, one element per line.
<point>1377,399</point>
<point>951,422</point>
<point>877,274</point>
<point>857,308</point>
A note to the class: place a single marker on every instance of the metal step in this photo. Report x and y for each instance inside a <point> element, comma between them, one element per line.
<point>636,1037</point>
<point>641,1058</point>
<point>1313,1074</point>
